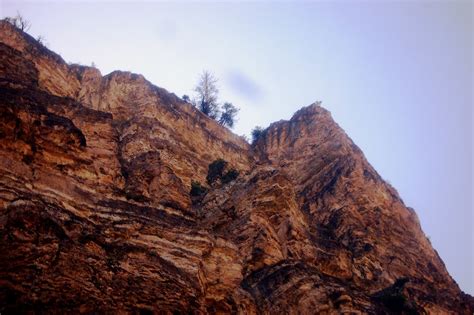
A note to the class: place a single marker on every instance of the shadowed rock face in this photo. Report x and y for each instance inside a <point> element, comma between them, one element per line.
<point>96,215</point>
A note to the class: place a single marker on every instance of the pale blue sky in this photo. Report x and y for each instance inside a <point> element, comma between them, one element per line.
<point>397,76</point>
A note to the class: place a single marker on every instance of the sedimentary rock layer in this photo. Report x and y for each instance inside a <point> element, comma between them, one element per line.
<point>96,213</point>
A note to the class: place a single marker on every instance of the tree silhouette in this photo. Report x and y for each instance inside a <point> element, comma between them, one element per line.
<point>257,132</point>
<point>206,101</point>
<point>19,21</point>
<point>207,92</point>
<point>228,114</point>
<point>186,98</point>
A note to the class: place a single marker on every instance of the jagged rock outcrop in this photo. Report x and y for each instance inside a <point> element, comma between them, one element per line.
<point>96,213</point>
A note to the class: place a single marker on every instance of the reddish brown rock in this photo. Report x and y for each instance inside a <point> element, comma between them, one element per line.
<point>96,213</point>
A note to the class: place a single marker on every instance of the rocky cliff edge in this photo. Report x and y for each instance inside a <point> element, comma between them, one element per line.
<point>96,213</point>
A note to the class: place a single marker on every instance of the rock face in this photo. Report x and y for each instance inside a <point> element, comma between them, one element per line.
<point>96,213</point>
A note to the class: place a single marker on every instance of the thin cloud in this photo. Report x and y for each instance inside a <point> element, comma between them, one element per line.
<point>243,85</point>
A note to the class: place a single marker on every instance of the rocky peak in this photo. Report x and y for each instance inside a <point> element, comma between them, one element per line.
<point>312,123</point>
<point>96,213</point>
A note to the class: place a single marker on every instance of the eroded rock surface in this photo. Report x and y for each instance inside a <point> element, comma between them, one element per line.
<point>96,213</point>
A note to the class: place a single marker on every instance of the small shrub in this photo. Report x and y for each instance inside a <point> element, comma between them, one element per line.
<point>215,170</point>
<point>19,22</point>
<point>186,98</point>
<point>229,176</point>
<point>40,39</point>
<point>257,133</point>
<point>197,190</point>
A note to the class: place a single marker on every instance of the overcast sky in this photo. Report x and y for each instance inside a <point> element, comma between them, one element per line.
<point>397,76</point>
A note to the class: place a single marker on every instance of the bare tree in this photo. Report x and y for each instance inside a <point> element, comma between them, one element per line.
<point>40,39</point>
<point>19,21</point>
<point>206,101</point>
<point>206,98</point>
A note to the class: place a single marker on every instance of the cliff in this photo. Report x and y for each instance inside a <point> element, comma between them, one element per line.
<point>96,213</point>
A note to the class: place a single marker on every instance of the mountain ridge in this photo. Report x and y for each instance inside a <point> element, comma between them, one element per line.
<point>96,213</point>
